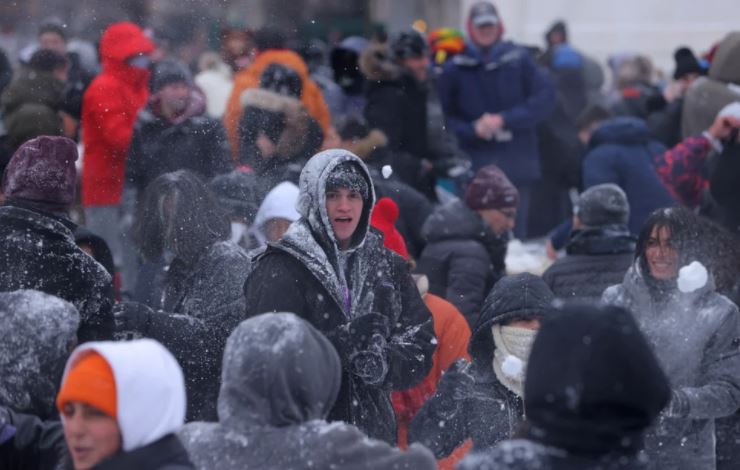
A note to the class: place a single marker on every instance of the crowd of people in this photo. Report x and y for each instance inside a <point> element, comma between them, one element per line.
<point>296,257</point>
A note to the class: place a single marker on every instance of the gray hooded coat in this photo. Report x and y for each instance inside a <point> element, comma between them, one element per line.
<point>362,298</point>
<point>695,337</point>
<point>38,331</point>
<point>280,379</point>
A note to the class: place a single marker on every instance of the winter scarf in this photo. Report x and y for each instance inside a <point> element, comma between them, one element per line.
<point>513,345</point>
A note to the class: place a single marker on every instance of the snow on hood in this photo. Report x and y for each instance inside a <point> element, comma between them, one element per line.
<point>280,202</point>
<point>150,388</point>
<point>39,332</point>
<point>312,197</point>
<point>278,370</point>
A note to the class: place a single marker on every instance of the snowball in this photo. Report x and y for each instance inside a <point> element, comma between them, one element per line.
<point>513,367</point>
<point>387,171</point>
<point>692,277</point>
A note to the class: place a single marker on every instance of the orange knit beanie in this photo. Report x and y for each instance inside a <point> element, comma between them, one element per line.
<point>90,380</point>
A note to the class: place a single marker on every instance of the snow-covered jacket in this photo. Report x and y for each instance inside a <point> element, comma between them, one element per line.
<point>38,251</point>
<point>281,377</point>
<point>486,412</point>
<point>335,291</point>
<point>150,404</point>
<point>39,331</point>
<point>695,336</point>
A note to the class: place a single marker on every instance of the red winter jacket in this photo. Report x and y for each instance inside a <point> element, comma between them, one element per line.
<point>109,110</point>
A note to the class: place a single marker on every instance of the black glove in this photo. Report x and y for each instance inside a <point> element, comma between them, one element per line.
<point>371,363</point>
<point>7,430</point>
<point>132,320</point>
<point>361,346</point>
<point>362,330</point>
<point>456,386</point>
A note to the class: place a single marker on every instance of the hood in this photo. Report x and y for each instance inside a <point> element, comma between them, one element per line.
<point>455,221</point>
<point>312,196</point>
<point>593,383</point>
<point>284,57</point>
<point>280,202</point>
<point>119,42</point>
<point>33,87</point>
<point>278,371</point>
<point>622,131</point>
<point>607,240</point>
<point>520,296</point>
<point>150,388</point>
<point>377,65</point>
<point>725,66</point>
<point>40,330</point>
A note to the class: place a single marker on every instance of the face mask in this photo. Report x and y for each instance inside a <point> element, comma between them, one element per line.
<point>139,61</point>
<point>238,230</point>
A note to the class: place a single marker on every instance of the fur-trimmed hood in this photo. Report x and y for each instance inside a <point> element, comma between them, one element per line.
<point>365,146</point>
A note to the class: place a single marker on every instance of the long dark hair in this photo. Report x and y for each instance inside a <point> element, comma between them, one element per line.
<point>179,213</point>
<point>696,239</point>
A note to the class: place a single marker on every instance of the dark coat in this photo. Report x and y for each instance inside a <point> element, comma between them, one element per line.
<point>508,82</point>
<point>596,259</point>
<point>396,104</point>
<point>31,105</point>
<point>487,411</point>
<point>158,146</point>
<point>300,274</point>
<point>31,442</point>
<point>281,377</point>
<point>463,258</point>
<point>38,251</point>
<point>723,178</point>
<point>201,303</point>
<point>593,386</point>
<point>167,453</point>
<point>695,337</point>
<point>621,152</point>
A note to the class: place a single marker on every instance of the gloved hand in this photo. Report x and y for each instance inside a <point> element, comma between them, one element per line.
<point>361,346</point>
<point>362,330</point>
<point>456,386</point>
<point>7,430</point>
<point>371,362</point>
<point>132,320</point>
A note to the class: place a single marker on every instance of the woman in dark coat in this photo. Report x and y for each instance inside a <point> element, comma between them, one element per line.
<point>482,400</point>
<point>333,271</point>
<point>181,222</point>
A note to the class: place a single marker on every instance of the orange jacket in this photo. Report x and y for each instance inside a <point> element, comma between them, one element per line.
<point>453,335</point>
<point>311,95</point>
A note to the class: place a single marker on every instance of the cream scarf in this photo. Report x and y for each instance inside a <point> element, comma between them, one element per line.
<point>513,345</point>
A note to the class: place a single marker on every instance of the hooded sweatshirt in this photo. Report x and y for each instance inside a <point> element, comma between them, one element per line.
<point>150,393</point>
<point>280,379</point>
<point>109,109</point>
<point>306,273</point>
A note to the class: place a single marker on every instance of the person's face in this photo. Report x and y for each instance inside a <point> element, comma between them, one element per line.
<point>344,209</point>
<point>555,38</point>
<point>661,255</point>
<point>499,220</point>
<point>175,97</point>
<point>274,229</point>
<point>52,41</point>
<point>485,35</point>
<point>91,435</point>
<point>419,67</point>
<point>531,324</point>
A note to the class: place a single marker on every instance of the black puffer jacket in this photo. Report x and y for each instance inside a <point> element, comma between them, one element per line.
<point>198,144</point>
<point>281,377</point>
<point>596,259</point>
<point>38,251</point>
<point>373,309</point>
<point>593,387</point>
<point>470,401</point>
<point>28,442</point>
<point>201,303</point>
<point>463,258</point>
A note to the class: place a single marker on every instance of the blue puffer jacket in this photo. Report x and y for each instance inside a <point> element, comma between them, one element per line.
<point>621,152</point>
<point>504,80</point>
